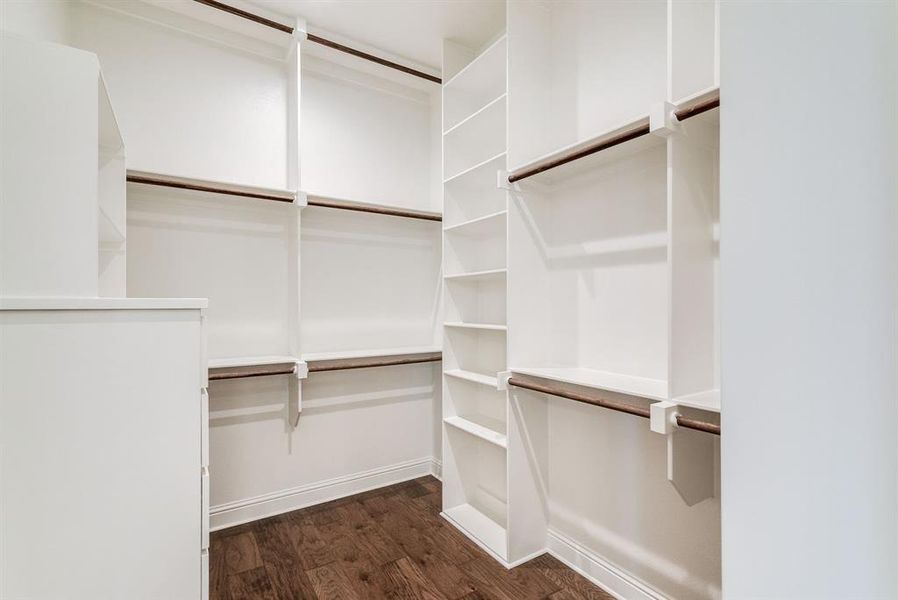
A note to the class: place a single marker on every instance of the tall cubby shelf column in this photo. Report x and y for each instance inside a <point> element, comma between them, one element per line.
<point>475,465</point>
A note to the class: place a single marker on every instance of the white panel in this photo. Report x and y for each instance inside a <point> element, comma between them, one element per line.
<point>101,438</point>
<point>364,139</point>
<point>233,251</point>
<point>190,107</point>
<point>693,46</point>
<point>368,281</point>
<point>49,118</point>
<point>350,423</point>
<point>809,286</point>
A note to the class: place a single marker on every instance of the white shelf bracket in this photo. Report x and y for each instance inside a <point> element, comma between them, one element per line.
<point>300,372</point>
<point>502,378</point>
<point>662,120</point>
<point>502,180</point>
<point>301,200</point>
<point>690,454</point>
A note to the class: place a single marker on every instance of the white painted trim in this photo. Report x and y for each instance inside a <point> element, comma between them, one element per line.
<point>598,570</point>
<point>275,503</point>
<point>436,468</point>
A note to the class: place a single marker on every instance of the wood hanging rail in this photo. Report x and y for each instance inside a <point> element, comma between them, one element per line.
<point>242,372</point>
<point>319,40</point>
<point>321,201</point>
<point>212,189</point>
<point>342,364</point>
<point>691,108</point>
<point>623,407</point>
<point>602,144</point>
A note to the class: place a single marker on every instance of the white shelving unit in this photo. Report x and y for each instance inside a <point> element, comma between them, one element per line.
<point>475,494</point>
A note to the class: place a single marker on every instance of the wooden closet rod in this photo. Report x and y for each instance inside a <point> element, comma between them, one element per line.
<point>620,138</point>
<point>697,106</point>
<point>371,208</point>
<point>319,40</point>
<point>251,371</point>
<point>613,405</point>
<point>206,188</point>
<point>342,364</point>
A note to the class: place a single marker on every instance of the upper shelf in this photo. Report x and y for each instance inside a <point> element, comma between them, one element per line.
<point>251,366</point>
<point>623,140</point>
<point>212,187</point>
<point>476,85</point>
<point>642,387</point>
<point>708,400</point>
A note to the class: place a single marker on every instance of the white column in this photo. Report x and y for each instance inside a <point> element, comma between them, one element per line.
<point>809,293</point>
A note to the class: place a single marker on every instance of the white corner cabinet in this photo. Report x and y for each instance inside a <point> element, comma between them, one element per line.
<point>62,216</point>
<point>103,474</point>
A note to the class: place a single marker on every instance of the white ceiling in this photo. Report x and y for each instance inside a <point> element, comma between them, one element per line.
<point>413,29</point>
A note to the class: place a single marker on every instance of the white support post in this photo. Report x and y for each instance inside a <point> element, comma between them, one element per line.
<point>690,454</point>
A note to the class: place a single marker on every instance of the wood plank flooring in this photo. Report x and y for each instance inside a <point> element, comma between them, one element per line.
<point>386,543</point>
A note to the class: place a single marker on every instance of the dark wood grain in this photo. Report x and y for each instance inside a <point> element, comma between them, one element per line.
<point>342,364</point>
<point>386,543</point>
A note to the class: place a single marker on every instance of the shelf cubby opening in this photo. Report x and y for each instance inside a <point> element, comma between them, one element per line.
<point>591,254</point>
<point>479,405</point>
<point>480,82</point>
<point>477,139</point>
<point>478,353</point>
<point>475,300</point>
<point>568,62</point>
<point>475,498</point>
<point>368,283</point>
<point>466,255</point>
<point>190,244</point>
<point>474,193</point>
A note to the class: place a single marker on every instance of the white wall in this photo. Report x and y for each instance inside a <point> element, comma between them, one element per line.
<point>809,289</point>
<point>41,19</point>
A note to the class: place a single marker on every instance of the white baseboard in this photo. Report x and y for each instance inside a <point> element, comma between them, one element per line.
<point>436,468</point>
<point>607,576</point>
<point>275,503</point>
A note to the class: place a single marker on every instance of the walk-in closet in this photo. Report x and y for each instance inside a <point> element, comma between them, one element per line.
<point>448,300</point>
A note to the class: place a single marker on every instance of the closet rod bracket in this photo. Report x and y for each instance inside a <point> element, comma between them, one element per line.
<point>502,378</point>
<point>663,121</point>
<point>663,417</point>
<point>301,200</point>
<point>502,180</point>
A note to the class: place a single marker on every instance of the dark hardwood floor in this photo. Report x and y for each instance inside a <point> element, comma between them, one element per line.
<point>386,543</point>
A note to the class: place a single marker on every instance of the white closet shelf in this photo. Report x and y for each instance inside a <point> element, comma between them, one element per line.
<point>642,387</point>
<point>621,141</point>
<point>484,326</point>
<point>479,527</point>
<point>708,400</point>
<point>478,138</point>
<point>210,186</point>
<point>475,275</point>
<point>482,71</point>
<point>702,103</point>
<point>482,427</point>
<point>487,380</point>
<point>483,172</point>
<point>489,109</point>
<point>110,137</point>
<point>491,225</point>
<point>251,361</point>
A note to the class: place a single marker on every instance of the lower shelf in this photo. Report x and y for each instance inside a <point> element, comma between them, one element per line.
<point>482,427</point>
<point>642,387</point>
<point>708,400</point>
<point>472,376</point>
<point>480,528</point>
